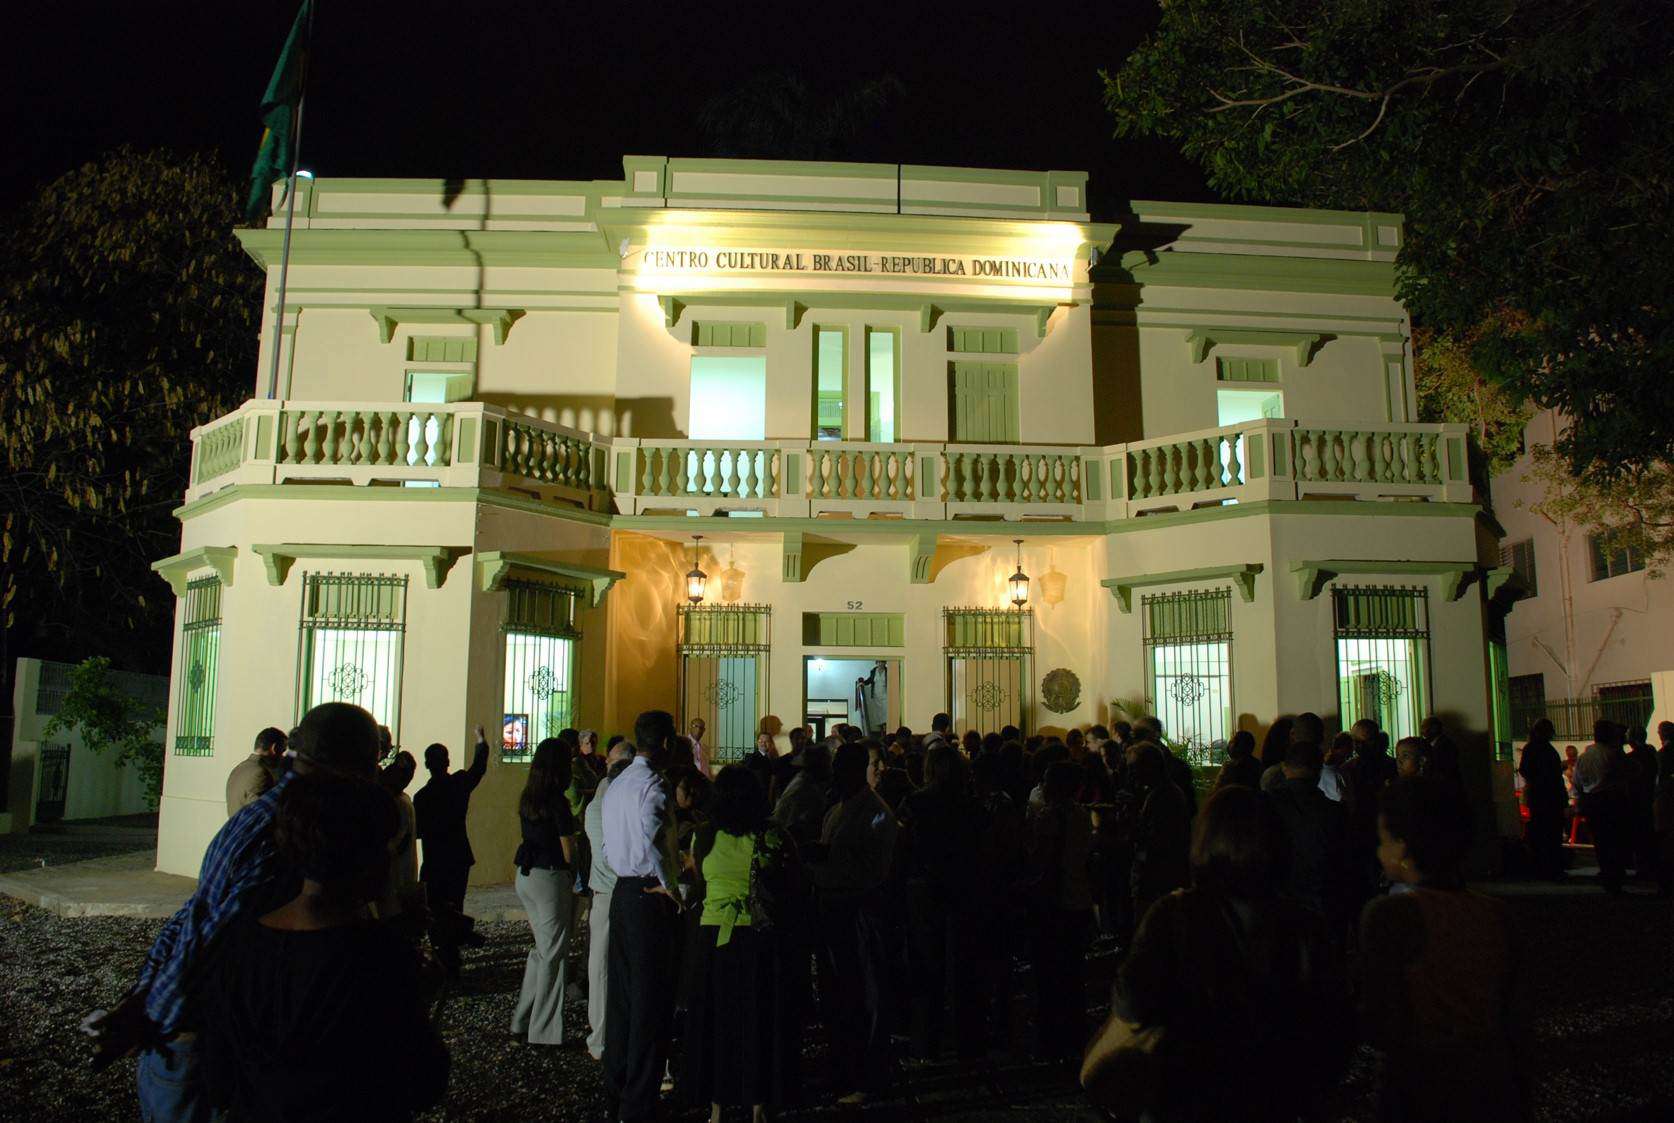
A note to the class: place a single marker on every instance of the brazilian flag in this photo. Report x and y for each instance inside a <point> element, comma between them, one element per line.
<point>281,108</point>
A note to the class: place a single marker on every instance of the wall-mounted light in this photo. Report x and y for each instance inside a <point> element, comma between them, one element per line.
<point>1019,582</point>
<point>696,578</point>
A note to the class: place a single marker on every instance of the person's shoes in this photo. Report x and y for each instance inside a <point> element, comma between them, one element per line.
<point>574,992</point>
<point>473,940</point>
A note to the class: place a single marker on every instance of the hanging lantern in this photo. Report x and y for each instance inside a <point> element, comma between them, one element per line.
<point>1019,582</point>
<point>732,580</point>
<point>696,579</point>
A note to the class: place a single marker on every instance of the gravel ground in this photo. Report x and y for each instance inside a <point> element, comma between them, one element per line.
<point>1602,1012</point>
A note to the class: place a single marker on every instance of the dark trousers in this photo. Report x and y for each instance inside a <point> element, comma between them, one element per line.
<point>852,972</point>
<point>1546,841</point>
<point>1607,814</point>
<point>444,888</point>
<point>640,997</point>
<point>1060,941</point>
<point>942,969</point>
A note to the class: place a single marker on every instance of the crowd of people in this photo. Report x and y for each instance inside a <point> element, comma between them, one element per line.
<point>886,886</point>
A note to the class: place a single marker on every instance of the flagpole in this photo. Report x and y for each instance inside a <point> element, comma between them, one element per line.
<point>290,220</point>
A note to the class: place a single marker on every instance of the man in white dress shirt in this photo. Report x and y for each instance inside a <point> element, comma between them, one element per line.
<point>638,834</point>
<point>601,880</point>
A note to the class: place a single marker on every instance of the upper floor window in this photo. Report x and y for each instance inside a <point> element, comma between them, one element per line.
<point>1233,368</point>
<point>1611,557</point>
<point>1520,556</point>
<point>831,365</point>
<point>883,384</point>
<point>729,387</point>
<point>984,402</point>
<point>1235,405</point>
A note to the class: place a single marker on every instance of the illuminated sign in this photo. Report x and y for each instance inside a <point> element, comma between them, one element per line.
<point>810,261</point>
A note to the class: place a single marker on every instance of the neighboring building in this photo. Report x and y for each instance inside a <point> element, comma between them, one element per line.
<point>58,778</point>
<point>506,410</point>
<point>1593,631</point>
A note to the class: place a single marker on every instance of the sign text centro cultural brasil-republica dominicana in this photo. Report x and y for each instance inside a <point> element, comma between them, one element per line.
<point>810,261</point>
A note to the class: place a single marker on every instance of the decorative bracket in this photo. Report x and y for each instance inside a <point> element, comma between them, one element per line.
<point>494,566</point>
<point>176,569</point>
<point>389,318</point>
<point>1305,344</point>
<point>793,570</point>
<point>1311,576</point>
<point>1505,584</point>
<point>928,314</point>
<point>794,310</point>
<point>279,557</point>
<point>672,306</point>
<point>921,551</point>
<point>1243,576</point>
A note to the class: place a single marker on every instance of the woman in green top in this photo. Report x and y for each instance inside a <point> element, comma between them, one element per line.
<point>741,1040</point>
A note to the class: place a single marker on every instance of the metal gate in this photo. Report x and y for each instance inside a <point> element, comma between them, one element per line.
<point>55,783</point>
<point>723,673</point>
<point>990,655</point>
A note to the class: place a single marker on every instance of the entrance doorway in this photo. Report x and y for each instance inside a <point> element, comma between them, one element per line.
<point>860,692</point>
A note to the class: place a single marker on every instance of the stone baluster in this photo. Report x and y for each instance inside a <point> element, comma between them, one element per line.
<point>666,471</point>
<point>1234,470</point>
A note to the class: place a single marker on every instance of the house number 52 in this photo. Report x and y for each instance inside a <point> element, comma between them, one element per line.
<point>855,604</point>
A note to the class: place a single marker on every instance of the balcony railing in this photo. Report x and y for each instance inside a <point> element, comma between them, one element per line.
<point>468,444</point>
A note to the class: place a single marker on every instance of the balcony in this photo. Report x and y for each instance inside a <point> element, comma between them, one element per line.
<point>468,444</point>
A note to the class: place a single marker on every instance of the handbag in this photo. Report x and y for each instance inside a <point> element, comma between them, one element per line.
<point>1127,1067</point>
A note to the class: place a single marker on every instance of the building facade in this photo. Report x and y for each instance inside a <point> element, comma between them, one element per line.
<point>1590,637</point>
<point>511,419</point>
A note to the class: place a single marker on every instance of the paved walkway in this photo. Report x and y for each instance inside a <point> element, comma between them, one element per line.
<point>127,885</point>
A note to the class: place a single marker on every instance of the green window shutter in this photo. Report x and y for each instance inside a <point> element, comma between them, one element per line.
<point>985,403</point>
<point>987,629</point>
<point>1381,612</point>
<point>353,638</point>
<point>535,608</point>
<point>1194,616</point>
<point>200,657</point>
<point>725,628</point>
<point>853,629</point>
<point>1240,369</point>
<point>982,341</point>
<point>727,333</point>
<point>441,349</point>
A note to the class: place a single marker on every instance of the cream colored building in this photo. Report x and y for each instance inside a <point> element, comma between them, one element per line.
<point>505,411</point>
<point>1593,634</point>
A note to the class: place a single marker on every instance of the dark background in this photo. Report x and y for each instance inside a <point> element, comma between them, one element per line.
<point>496,89</point>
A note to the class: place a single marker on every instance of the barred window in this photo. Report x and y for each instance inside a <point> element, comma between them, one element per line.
<point>353,638</point>
<point>1383,651</point>
<point>1611,557</point>
<point>539,668</point>
<point>1188,665</point>
<point>989,653</point>
<point>200,658</point>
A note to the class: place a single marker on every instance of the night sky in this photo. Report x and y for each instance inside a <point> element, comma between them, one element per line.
<point>562,90</point>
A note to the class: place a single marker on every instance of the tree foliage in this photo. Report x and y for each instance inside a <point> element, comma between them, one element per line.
<point>109,720</point>
<point>1452,388</point>
<point>128,314</point>
<point>1632,509</point>
<point>1530,144</point>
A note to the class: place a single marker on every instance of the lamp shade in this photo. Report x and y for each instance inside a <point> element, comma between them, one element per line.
<point>1017,585</point>
<point>697,580</point>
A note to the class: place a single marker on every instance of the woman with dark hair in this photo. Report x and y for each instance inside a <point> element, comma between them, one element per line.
<point>741,1040</point>
<point>1544,796</point>
<point>971,743</point>
<point>1275,743</point>
<point>546,886</point>
<point>1241,766</point>
<point>1222,978</point>
<point>313,1011</point>
<point>1438,967</point>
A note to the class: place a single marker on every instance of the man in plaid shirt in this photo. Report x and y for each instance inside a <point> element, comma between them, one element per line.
<point>241,876</point>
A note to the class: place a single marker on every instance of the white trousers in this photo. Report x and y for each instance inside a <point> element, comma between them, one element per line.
<point>598,970</point>
<point>548,897</point>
